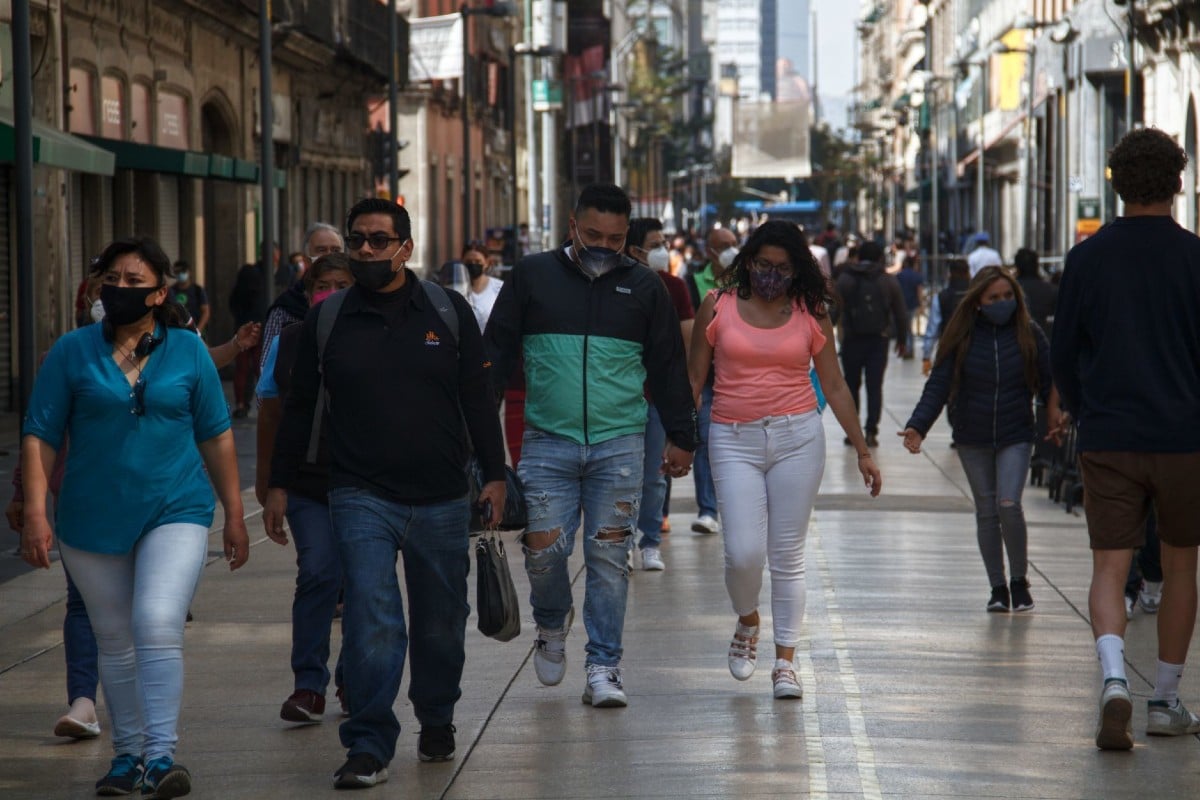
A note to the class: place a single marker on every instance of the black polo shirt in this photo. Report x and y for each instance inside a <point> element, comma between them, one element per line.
<point>399,393</point>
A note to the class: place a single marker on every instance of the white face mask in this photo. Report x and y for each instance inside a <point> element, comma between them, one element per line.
<point>97,310</point>
<point>658,259</point>
<point>727,256</point>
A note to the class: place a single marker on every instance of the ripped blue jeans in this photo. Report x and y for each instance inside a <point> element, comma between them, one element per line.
<point>603,484</point>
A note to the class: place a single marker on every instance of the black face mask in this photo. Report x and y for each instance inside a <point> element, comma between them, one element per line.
<point>372,275</point>
<point>474,270</point>
<point>124,305</point>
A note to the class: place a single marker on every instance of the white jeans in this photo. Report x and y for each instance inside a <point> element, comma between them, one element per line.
<point>138,604</point>
<point>767,474</point>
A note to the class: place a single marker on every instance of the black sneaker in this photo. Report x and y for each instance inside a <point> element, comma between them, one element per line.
<point>872,440</point>
<point>436,743</point>
<point>999,601</point>
<point>124,777</point>
<point>360,771</point>
<point>165,779</point>
<point>1021,599</point>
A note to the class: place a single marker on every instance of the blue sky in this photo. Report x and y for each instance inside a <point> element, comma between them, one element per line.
<point>837,42</point>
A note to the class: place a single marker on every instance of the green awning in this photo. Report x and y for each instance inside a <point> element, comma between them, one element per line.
<point>152,158</point>
<point>54,148</point>
<point>245,171</point>
<point>220,166</point>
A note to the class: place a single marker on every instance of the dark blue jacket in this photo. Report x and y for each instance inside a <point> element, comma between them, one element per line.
<point>1127,337</point>
<point>994,406</point>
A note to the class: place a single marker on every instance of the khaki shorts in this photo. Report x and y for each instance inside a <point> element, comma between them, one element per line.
<point>1120,488</point>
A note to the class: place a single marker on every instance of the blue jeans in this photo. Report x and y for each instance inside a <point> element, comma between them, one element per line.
<point>654,482</point>
<point>318,582</point>
<point>604,482</point>
<point>997,479</point>
<point>138,603</point>
<point>706,493</point>
<point>79,647</point>
<point>433,540</point>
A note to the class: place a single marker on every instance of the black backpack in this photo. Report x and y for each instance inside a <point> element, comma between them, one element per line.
<point>948,300</point>
<point>867,311</point>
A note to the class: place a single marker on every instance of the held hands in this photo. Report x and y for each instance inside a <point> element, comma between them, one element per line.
<point>491,497</point>
<point>237,542</point>
<point>676,461</point>
<point>926,367</point>
<point>1057,424</point>
<point>912,440</point>
<point>36,538</point>
<point>274,510</point>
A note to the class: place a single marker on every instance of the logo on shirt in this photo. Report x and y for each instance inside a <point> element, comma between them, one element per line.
<point>624,290</point>
<point>432,339</point>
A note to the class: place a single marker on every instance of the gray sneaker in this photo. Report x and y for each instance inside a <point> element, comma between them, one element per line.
<point>1170,720</point>
<point>550,652</point>
<point>1150,596</point>
<point>604,688</point>
<point>1114,731</point>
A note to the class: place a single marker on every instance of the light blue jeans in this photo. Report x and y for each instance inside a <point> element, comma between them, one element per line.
<point>138,603</point>
<point>654,482</point>
<point>767,474</point>
<point>603,482</point>
<point>997,478</point>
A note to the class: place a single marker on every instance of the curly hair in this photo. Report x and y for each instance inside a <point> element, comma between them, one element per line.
<point>808,283</point>
<point>1146,165</point>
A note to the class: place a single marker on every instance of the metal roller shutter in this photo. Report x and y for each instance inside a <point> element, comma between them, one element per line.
<point>7,319</point>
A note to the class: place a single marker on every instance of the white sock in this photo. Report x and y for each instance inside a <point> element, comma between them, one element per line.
<point>1111,650</point>
<point>1167,685</point>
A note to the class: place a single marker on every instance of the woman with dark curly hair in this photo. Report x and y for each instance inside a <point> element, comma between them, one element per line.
<point>760,331</point>
<point>991,361</point>
<point>147,415</point>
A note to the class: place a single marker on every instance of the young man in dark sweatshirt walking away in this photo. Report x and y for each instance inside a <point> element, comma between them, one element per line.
<point>1126,360</point>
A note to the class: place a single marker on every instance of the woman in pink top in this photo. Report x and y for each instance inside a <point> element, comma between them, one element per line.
<point>760,332</point>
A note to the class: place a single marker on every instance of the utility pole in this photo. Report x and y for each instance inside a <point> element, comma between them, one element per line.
<point>267,123</point>
<point>393,102</point>
<point>551,225</point>
<point>466,126</point>
<point>23,156</point>
<point>533,215</point>
<point>979,175</point>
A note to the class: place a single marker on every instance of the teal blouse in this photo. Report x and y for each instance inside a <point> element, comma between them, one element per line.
<point>128,474</point>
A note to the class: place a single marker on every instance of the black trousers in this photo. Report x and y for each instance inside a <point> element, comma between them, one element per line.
<point>869,354</point>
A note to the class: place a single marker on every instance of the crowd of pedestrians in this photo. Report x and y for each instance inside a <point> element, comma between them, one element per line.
<point>625,360</point>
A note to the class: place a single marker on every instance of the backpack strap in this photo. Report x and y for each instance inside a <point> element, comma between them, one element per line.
<point>327,315</point>
<point>441,303</point>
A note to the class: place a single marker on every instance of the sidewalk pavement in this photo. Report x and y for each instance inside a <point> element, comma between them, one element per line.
<point>911,689</point>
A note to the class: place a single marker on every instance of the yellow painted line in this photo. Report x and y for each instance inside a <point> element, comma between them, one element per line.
<point>863,751</point>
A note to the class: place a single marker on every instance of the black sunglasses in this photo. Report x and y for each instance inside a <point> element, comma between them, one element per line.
<point>378,241</point>
<point>138,395</point>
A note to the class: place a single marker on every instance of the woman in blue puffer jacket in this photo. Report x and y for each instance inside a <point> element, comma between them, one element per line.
<point>992,360</point>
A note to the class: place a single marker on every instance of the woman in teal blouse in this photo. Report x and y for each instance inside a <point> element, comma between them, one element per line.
<point>146,414</point>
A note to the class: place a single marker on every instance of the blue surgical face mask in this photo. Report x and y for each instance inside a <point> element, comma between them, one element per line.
<point>595,261</point>
<point>1000,312</point>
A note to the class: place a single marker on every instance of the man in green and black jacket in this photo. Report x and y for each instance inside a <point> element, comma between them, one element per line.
<point>594,326</point>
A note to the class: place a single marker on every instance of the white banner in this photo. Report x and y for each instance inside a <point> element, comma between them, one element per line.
<point>771,141</point>
<point>435,48</point>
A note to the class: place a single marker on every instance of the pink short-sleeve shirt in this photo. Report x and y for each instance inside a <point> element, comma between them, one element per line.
<point>761,372</point>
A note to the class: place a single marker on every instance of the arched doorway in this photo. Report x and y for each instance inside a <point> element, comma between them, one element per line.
<point>222,217</point>
<point>1189,175</point>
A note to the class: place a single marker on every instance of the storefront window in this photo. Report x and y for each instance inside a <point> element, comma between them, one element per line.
<point>112,108</point>
<point>82,101</point>
<point>172,120</point>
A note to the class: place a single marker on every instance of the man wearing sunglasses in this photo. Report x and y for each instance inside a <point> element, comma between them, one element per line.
<point>407,399</point>
<point>593,327</point>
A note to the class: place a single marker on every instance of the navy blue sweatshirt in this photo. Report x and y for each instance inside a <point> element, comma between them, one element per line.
<point>993,406</point>
<point>1126,346</point>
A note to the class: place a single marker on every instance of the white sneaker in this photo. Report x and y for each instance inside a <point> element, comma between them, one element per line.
<point>706,524</point>
<point>1114,729</point>
<point>743,651</point>
<point>550,652</point>
<point>604,688</point>
<point>1129,601</point>
<point>1163,719</point>
<point>652,560</point>
<point>787,685</point>
<point>1150,596</point>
